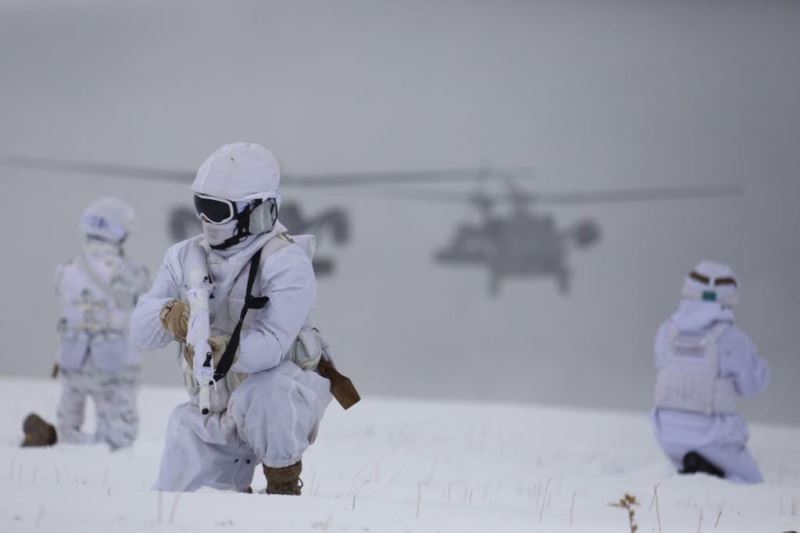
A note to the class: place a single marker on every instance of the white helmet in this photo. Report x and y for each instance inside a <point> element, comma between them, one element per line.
<point>239,171</point>
<point>712,282</point>
<point>237,193</point>
<point>109,219</point>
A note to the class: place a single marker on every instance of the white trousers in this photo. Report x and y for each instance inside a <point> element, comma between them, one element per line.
<point>114,397</point>
<point>721,439</point>
<point>272,418</point>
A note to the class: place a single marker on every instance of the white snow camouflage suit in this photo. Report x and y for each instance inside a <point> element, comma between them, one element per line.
<point>273,415</point>
<point>97,294</point>
<point>721,437</point>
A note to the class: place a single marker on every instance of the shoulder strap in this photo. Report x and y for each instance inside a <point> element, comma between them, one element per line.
<point>276,244</point>
<point>250,302</point>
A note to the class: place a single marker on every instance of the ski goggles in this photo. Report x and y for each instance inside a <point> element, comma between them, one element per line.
<point>705,280</point>
<point>213,209</point>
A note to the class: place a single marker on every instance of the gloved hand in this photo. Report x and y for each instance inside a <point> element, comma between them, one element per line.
<point>175,319</point>
<point>218,343</point>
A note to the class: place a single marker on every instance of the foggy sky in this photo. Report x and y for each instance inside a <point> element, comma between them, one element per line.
<point>590,94</point>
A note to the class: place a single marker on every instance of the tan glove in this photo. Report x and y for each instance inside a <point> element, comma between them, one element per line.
<point>217,343</point>
<point>175,319</point>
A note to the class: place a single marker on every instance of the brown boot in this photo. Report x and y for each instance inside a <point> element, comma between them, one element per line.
<point>284,480</point>
<point>38,432</point>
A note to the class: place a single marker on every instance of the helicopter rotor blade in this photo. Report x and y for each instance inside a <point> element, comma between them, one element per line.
<point>479,199</point>
<point>519,195</point>
<point>634,195</point>
<point>390,178</point>
<point>96,169</point>
<point>350,179</point>
<point>435,196</point>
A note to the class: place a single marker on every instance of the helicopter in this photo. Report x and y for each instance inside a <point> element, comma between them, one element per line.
<point>523,243</point>
<point>332,224</point>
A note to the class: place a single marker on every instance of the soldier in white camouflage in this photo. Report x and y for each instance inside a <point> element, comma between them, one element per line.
<point>268,408</point>
<point>97,291</point>
<point>704,362</point>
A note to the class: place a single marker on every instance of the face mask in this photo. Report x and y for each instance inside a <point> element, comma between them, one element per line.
<point>100,249</point>
<point>217,233</point>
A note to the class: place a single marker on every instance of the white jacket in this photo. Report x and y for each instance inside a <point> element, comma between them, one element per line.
<point>97,296</point>
<point>286,277</point>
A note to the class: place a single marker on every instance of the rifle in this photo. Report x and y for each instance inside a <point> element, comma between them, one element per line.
<point>199,328</point>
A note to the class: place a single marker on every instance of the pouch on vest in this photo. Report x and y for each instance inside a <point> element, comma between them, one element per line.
<point>306,350</point>
<point>72,351</point>
<point>310,351</point>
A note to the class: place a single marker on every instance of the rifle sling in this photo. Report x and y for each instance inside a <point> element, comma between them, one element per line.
<point>250,302</point>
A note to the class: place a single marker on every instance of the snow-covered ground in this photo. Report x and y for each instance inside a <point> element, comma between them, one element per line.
<point>400,466</point>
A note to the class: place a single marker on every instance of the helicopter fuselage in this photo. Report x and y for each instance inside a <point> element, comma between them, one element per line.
<point>522,244</point>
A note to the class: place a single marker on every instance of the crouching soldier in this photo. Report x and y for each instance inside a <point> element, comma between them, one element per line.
<point>704,362</point>
<point>238,298</point>
<point>98,290</point>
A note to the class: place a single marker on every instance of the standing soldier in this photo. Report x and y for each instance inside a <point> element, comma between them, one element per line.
<point>98,290</point>
<point>238,298</point>
<point>704,362</point>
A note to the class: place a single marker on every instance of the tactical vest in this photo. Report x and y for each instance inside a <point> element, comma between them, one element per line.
<point>95,313</point>
<point>689,379</point>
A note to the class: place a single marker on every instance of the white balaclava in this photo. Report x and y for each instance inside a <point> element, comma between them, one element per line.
<point>107,222</point>
<point>244,174</point>
<point>712,282</point>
